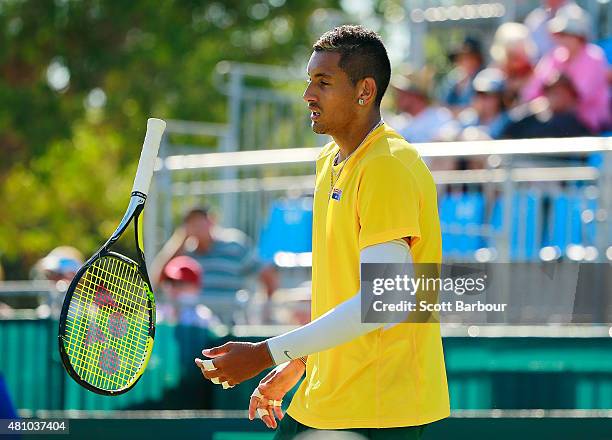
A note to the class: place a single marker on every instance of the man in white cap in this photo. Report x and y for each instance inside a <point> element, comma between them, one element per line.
<point>515,53</point>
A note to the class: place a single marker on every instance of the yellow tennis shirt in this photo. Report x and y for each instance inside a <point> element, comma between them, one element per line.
<point>386,378</point>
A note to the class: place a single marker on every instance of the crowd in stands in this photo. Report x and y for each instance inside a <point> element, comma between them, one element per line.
<point>545,78</point>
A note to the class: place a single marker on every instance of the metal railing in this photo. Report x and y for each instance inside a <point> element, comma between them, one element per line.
<point>264,176</point>
<point>36,299</point>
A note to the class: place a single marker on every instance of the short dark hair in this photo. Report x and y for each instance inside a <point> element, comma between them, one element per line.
<point>362,54</point>
<point>201,211</point>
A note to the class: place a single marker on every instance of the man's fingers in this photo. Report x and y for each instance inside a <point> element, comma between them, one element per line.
<point>209,371</point>
<point>268,409</point>
<point>214,376</point>
<point>270,422</point>
<point>218,380</point>
<point>206,365</point>
<point>262,412</point>
<point>272,418</point>
<point>217,351</point>
<point>279,412</point>
<point>253,407</point>
<point>209,374</point>
<point>266,416</point>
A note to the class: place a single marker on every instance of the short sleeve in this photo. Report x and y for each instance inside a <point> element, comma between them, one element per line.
<point>388,202</point>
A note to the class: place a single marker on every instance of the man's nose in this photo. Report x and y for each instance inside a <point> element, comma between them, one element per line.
<point>308,96</point>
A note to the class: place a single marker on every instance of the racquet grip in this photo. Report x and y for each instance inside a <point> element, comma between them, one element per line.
<point>150,147</point>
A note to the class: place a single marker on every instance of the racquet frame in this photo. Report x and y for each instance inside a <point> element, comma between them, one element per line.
<point>133,212</point>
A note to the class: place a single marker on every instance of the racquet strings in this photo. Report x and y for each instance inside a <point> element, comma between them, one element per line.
<point>107,324</point>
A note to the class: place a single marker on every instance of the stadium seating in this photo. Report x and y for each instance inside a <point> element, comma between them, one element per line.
<point>461,217</point>
<point>566,228</point>
<point>289,228</point>
<point>525,224</point>
<point>537,219</point>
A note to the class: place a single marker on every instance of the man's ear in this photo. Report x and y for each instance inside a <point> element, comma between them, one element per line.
<point>367,90</point>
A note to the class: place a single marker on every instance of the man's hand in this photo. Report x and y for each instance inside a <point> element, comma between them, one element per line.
<point>273,388</point>
<point>236,362</point>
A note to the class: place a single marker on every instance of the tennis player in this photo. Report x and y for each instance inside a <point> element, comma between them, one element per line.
<point>375,201</point>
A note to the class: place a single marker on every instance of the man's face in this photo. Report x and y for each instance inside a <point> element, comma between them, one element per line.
<point>330,94</point>
<point>517,62</point>
<point>198,227</point>
<point>468,62</point>
<point>486,104</point>
<point>573,43</point>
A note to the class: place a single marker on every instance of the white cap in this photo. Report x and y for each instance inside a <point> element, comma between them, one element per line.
<point>509,36</point>
<point>571,19</point>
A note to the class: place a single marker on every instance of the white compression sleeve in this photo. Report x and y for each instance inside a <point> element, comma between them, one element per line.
<point>342,323</point>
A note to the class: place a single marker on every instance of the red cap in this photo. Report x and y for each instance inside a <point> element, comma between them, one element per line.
<point>183,268</point>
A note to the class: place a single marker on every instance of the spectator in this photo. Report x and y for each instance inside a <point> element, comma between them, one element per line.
<point>486,118</point>
<point>514,52</point>
<point>537,23</point>
<point>582,62</point>
<point>457,91</point>
<point>418,120</point>
<point>554,115</point>
<point>61,264</point>
<point>181,284</point>
<point>180,303</point>
<point>225,255</point>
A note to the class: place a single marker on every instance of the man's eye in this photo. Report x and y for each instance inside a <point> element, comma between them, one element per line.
<point>323,83</point>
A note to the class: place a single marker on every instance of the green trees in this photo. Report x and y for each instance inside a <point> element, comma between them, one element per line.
<point>78,80</point>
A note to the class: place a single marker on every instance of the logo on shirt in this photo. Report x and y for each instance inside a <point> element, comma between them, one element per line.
<point>336,194</point>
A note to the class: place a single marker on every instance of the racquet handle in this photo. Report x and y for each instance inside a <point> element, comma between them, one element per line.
<point>150,147</point>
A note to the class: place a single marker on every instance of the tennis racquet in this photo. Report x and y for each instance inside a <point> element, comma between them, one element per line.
<point>107,324</point>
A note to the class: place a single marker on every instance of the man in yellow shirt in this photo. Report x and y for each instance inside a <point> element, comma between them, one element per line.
<point>375,201</point>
